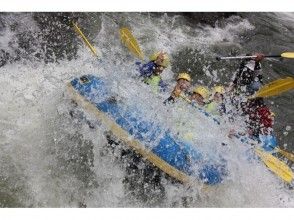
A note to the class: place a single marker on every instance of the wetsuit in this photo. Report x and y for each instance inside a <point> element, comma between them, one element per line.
<point>248,78</point>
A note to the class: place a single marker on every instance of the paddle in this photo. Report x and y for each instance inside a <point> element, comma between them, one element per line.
<point>289,55</point>
<point>78,30</point>
<point>275,165</point>
<point>275,88</point>
<point>286,154</point>
<point>130,42</point>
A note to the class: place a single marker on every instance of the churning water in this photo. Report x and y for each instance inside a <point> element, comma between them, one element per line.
<point>50,158</point>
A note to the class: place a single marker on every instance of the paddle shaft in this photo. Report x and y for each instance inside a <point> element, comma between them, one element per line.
<point>245,57</point>
<point>78,30</point>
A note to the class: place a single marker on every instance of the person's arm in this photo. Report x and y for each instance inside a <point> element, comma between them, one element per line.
<point>236,76</point>
<point>233,83</point>
<point>169,100</point>
<point>175,93</point>
<point>257,65</point>
<point>163,86</point>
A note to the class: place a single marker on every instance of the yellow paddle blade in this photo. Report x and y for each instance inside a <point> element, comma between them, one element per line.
<point>286,154</point>
<point>275,165</point>
<point>276,87</point>
<point>288,55</point>
<point>130,42</point>
<point>78,30</point>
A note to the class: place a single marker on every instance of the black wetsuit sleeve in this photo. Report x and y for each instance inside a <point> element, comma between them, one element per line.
<point>257,65</point>
<point>169,100</point>
<point>238,73</point>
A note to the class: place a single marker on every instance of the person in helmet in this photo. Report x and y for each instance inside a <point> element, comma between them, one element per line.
<point>151,71</point>
<point>200,95</point>
<point>259,118</point>
<point>216,105</point>
<point>248,78</point>
<point>259,123</point>
<point>182,86</point>
<point>246,81</point>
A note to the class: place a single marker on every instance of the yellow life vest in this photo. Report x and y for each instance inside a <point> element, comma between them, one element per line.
<point>212,108</point>
<point>153,81</point>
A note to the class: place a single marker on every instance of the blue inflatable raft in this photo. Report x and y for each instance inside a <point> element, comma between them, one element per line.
<point>175,157</point>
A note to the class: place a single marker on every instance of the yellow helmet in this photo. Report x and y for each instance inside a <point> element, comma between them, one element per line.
<point>219,89</point>
<point>203,91</point>
<point>165,62</point>
<point>185,76</point>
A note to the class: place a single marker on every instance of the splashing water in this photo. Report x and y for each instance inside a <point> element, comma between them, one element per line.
<point>50,159</point>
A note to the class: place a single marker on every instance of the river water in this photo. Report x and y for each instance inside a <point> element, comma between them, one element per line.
<point>50,159</point>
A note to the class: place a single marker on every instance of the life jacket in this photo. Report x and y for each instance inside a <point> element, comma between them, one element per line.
<point>153,81</point>
<point>260,120</point>
<point>264,115</point>
<point>147,70</point>
<point>212,108</point>
<point>215,108</point>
